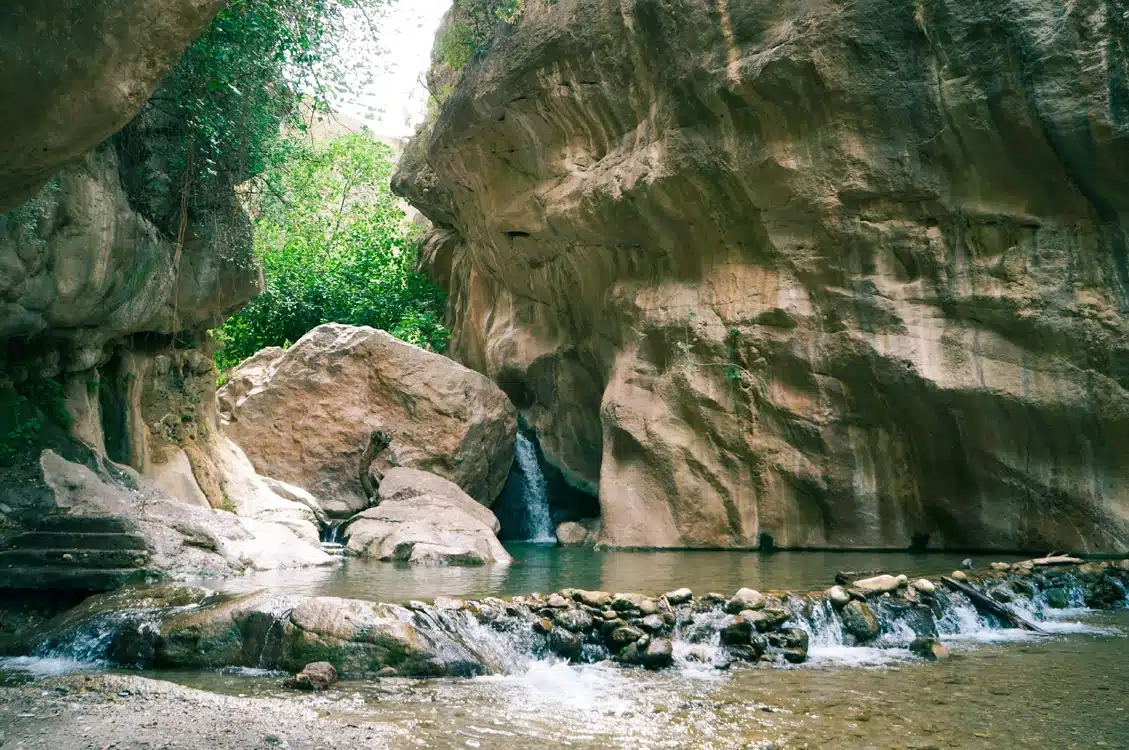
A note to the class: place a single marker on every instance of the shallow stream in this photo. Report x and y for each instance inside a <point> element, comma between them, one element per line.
<point>1066,691</point>
<point>1000,689</point>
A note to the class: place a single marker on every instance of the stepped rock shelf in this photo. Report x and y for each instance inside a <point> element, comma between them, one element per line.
<point>190,627</point>
<point>77,553</point>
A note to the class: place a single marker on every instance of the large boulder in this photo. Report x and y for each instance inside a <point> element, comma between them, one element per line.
<point>819,273</point>
<point>191,627</point>
<point>423,518</point>
<point>304,415</point>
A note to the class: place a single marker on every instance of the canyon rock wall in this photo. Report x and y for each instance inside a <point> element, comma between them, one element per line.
<point>808,272</point>
<point>109,279</point>
<point>75,72</point>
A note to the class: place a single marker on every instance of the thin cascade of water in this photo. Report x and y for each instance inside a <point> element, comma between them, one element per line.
<point>697,644</point>
<point>823,626</point>
<point>92,641</point>
<point>499,637</point>
<point>501,652</point>
<point>538,522</point>
<point>959,617</point>
<point>333,537</point>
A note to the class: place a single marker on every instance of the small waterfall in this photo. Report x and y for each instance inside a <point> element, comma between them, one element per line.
<point>510,637</point>
<point>333,538</point>
<point>524,508</point>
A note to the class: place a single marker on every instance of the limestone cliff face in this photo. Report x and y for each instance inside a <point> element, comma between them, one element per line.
<point>831,273</point>
<point>108,279</point>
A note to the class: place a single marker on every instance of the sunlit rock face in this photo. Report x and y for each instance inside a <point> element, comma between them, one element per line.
<point>830,273</point>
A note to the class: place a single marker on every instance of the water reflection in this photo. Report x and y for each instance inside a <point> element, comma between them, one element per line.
<point>547,568</point>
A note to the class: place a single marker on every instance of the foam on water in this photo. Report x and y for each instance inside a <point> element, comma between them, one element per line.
<point>582,687</point>
<point>46,666</point>
<point>856,656</point>
<point>252,672</point>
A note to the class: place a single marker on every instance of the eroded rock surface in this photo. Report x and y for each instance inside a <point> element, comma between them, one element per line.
<point>304,415</point>
<point>821,273</point>
<point>108,526</point>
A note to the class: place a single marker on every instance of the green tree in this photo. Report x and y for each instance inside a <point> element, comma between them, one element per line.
<point>470,27</point>
<point>335,247</point>
<point>257,66</point>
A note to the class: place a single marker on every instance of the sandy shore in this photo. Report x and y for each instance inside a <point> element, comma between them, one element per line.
<point>134,713</point>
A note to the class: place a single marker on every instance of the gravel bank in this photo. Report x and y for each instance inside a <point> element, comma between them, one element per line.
<point>133,713</point>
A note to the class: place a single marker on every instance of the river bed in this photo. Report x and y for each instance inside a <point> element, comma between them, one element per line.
<point>1000,689</point>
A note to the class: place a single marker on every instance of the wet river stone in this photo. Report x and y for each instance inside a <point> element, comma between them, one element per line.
<point>679,596</point>
<point>736,631</point>
<point>745,599</point>
<point>658,654</point>
<point>859,621</point>
<point>565,643</point>
<point>576,620</point>
<point>598,599</point>
<point>316,676</point>
<point>928,647</point>
<point>624,635</point>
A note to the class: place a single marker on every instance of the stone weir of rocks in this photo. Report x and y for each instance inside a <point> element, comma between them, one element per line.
<point>188,627</point>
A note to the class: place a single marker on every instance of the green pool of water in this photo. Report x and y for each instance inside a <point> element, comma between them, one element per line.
<point>546,568</point>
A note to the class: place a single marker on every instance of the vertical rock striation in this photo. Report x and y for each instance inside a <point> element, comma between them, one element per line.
<point>817,273</point>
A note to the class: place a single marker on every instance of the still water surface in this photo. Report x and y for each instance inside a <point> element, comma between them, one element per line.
<point>545,568</point>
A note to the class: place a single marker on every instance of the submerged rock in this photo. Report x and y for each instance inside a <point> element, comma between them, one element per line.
<point>565,643</point>
<point>316,676</point>
<point>928,647</point>
<point>659,653</point>
<point>736,631</point>
<point>1058,598</point>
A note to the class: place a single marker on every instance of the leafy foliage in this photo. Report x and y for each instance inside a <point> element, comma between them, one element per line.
<point>248,73</point>
<point>26,411</point>
<point>470,27</point>
<point>335,247</point>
